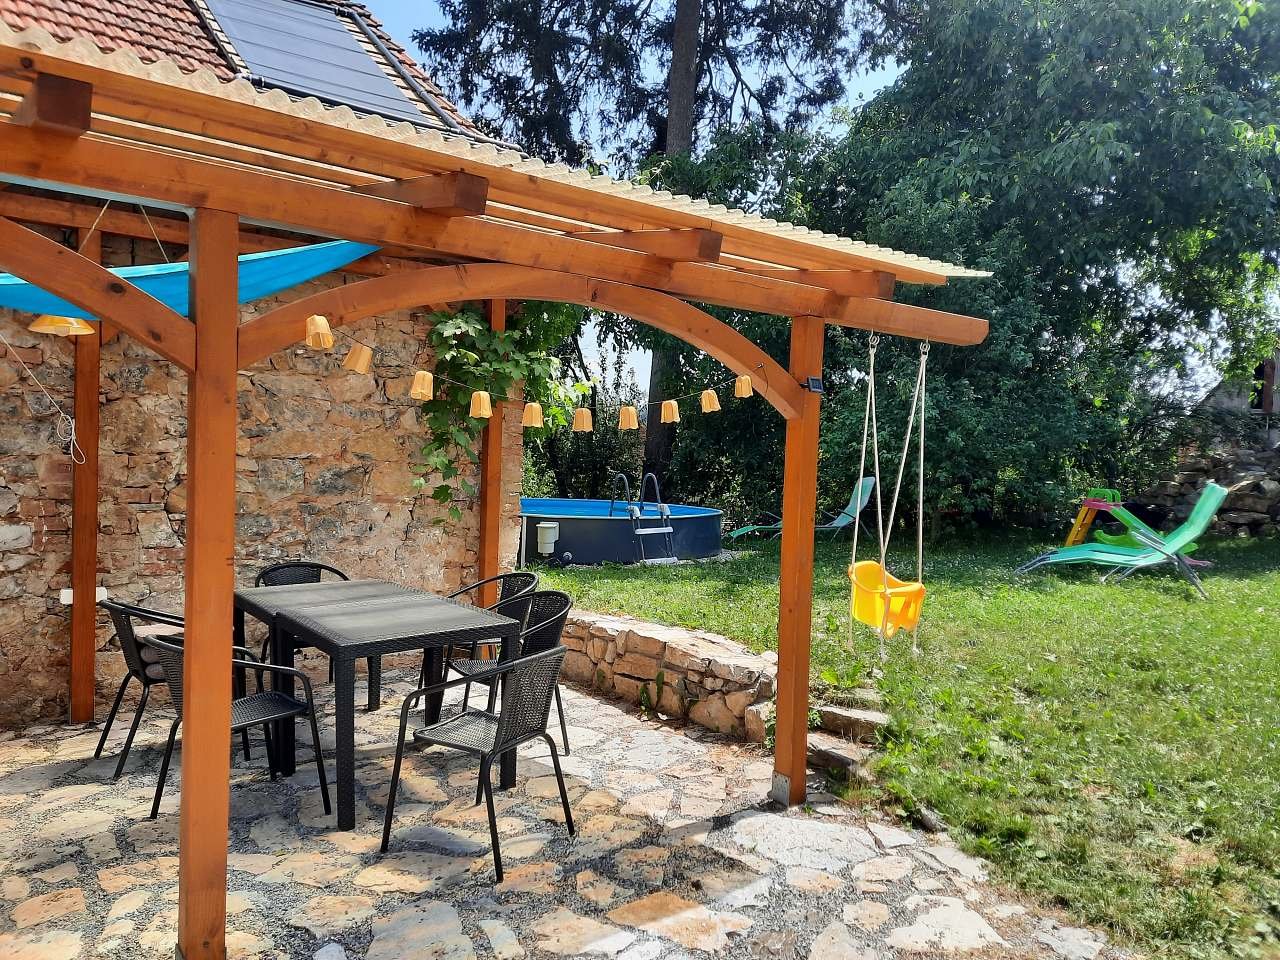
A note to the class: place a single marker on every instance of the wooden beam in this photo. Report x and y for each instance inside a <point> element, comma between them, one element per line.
<point>847,283</point>
<point>446,194</point>
<point>687,245</point>
<point>210,581</point>
<point>84,512</point>
<point>795,587</point>
<point>489,552</point>
<point>56,104</point>
<point>92,288</point>
<point>906,320</point>
<point>286,325</point>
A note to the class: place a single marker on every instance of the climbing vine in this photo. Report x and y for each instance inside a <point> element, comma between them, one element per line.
<point>471,356</point>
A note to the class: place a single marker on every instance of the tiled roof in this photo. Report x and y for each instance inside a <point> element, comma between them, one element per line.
<point>154,30</point>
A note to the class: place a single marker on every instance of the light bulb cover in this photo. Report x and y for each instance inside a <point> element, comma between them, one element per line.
<point>423,386</point>
<point>742,386</point>
<point>359,358</point>
<point>481,407</point>
<point>532,415</point>
<point>61,326</point>
<point>628,419</point>
<point>582,420</point>
<point>670,411</point>
<point>710,402</point>
<point>319,336</point>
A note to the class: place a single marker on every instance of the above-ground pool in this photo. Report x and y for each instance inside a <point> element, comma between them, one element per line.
<point>591,534</point>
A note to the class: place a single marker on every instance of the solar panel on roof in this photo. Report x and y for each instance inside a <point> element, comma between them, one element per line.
<point>306,49</point>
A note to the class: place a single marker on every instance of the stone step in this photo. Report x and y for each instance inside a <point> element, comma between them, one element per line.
<point>853,723</point>
<point>833,753</point>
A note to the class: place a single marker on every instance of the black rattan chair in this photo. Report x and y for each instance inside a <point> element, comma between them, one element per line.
<point>514,590</point>
<point>528,684</point>
<point>258,709</point>
<point>288,573</point>
<point>544,619</point>
<point>141,663</point>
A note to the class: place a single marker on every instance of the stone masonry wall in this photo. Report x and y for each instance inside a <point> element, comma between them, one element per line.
<point>1252,508</point>
<point>703,677</point>
<point>323,472</point>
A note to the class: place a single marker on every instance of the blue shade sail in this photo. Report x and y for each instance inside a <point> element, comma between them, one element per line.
<point>261,275</point>
<point>307,49</point>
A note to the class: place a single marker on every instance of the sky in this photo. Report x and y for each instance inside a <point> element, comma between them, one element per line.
<point>401,17</point>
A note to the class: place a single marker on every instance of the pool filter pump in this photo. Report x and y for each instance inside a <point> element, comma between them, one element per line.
<point>548,534</point>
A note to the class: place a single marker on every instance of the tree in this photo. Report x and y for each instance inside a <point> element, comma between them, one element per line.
<point>620,80</point>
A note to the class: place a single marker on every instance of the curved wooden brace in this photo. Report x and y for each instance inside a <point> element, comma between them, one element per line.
<point>76,279</point>
<point>481,281</point>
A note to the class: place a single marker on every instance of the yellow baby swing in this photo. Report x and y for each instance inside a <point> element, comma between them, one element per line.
<point>878,598</point>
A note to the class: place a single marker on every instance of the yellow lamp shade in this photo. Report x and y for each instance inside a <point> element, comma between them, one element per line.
<point>423,386</point>
<point>742,386</point>
<point>480,405</point>
<point>319,336</point>
<point>670,411</point>
<point>710,402</point>
<point>532,415</point>
<point>627,419</point>
<point>359,358</point>
<point>61,326</point>
<point>582,420</point>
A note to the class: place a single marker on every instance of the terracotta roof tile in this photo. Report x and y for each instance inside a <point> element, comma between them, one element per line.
<point>152,29</point>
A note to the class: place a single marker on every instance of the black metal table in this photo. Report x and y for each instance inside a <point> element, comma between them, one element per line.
<point>359,619</point>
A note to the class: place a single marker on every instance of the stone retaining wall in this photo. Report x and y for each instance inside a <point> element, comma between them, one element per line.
<point>703,677</point>
<point>1253,477</point>
<point>323,471</point>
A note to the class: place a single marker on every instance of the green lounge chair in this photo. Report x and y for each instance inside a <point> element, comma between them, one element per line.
<point>835,523</point>
<point>1154,549</point>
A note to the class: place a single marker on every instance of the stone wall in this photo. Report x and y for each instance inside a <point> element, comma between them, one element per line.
<point>703,677</point>
<point>1252,508</point>
<point>323,471</point>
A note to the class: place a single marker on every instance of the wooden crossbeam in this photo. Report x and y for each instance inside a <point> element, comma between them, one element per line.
<point>446,194</point>
<point>56,104</point>
<point>847,283</point>
<point>686,245</point>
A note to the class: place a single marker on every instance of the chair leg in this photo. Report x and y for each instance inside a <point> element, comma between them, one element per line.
<point>111,716</point>
<point>564,794</point>
<point>271,751</point>
<point>395,781</point>
<point>164,769</point>
<point>1185,569</point>
<point>133,729</point>
<point>315,742</point>
<point>564,730</point>
<point>485,762</point>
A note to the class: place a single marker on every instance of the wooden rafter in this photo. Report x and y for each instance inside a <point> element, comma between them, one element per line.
<point>56,104</point>
<point>446,194</point>
<point>691,245</point>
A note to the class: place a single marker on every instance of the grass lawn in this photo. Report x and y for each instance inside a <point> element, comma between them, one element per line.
<point>1113,749</point>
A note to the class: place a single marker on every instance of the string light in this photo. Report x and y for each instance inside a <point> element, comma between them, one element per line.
<point>532,416</point>
<point>481,407</point>
<point>710,402</point>
<point>61,326</point>
<point>670,411</point>
<point>423,386</point>
<point>319,336</point>
<point>627,418</point>
<point>359,358</point>
<point>582,420</point>
<point>742,386</point>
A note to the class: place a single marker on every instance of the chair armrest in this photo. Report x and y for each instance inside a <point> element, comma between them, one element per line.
<point>1152,541</point>
<point>159,616</point>
<point>443,685</point>
<point>260,667</point>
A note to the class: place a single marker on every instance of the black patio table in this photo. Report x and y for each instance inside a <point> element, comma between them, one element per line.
<point>357,619</point>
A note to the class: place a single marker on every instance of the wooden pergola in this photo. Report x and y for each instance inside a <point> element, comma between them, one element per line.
<point>240,170</point>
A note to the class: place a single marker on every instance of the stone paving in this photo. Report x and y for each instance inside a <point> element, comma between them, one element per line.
<point>677,856</point>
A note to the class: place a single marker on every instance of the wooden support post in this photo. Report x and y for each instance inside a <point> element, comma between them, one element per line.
<point>84,512</point>
<point>489,552</point>
<point>795,587</point>
<point>210,580</point>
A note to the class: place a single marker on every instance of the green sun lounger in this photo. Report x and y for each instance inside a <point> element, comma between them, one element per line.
<point>1153,549</point>
<point>835,523</point>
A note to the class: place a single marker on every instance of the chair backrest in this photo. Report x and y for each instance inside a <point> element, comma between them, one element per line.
<point>169,656</point>
<point>123,616</point>
<point>510,586</point>
<point>516,607</point>
<point>1207,504</point>
<point>526,697</point>
<point>857,500</point>
<point>547,613</point>
<point>296,571</point>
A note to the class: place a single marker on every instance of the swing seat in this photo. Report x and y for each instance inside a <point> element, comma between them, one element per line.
<point>905,598</point>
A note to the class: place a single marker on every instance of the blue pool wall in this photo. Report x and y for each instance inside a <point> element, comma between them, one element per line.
<point>592,535</point>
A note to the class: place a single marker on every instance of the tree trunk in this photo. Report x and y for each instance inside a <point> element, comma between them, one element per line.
<point>682,89</point>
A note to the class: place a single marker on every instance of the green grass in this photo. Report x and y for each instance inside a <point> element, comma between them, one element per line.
<point>1115,750</point>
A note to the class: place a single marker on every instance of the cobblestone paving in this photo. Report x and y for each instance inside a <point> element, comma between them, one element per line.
<point>677,856</point>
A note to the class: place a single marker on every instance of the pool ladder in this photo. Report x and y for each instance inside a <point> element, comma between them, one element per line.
<point>663,529</point>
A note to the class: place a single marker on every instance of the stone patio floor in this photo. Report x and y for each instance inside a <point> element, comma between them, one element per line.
<point>677,855</point>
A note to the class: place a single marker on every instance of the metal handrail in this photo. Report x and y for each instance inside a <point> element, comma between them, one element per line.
<point>626,487</point>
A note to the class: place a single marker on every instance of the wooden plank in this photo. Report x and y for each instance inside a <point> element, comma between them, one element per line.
<point>446,194</point>
<point>906,320</point>
<point>795,587</point>
<point>689,245</point>
<point>264,335</point>
<point>489,552</point>
<point>84,512</point>
<point>57,105</point>
<point>210,581</point>
<point>847,283</point>
<point>89,286</point>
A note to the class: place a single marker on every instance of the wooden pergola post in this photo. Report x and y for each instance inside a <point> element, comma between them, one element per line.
<point>795,587</point>
<point>210,582</point>
<point>84,512</point>
<point>489,559</point>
